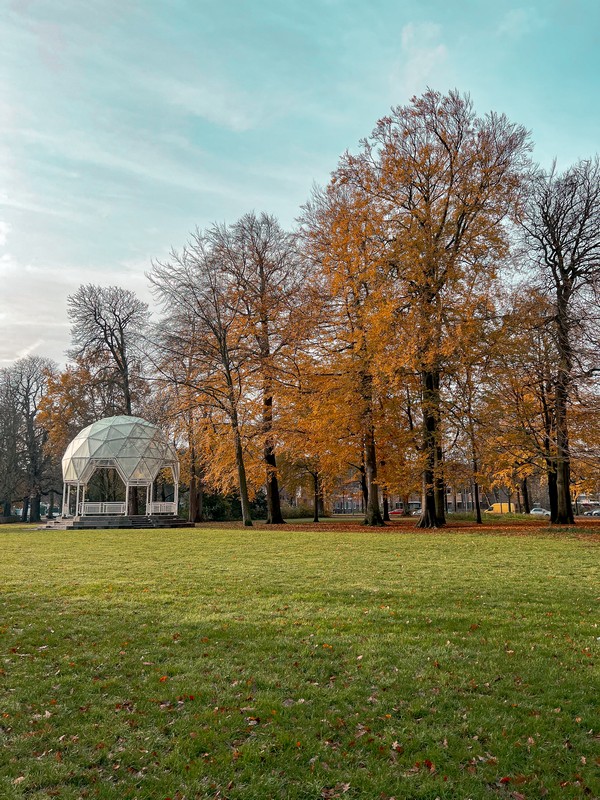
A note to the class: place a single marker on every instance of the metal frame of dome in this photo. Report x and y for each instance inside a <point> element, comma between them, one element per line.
<point>135,448</point>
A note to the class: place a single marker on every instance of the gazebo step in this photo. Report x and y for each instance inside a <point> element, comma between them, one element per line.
<point>100,522</point>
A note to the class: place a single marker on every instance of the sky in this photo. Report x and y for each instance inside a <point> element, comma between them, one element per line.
<point>126,124</point>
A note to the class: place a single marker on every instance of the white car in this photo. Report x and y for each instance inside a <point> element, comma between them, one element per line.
<point>540,512</point>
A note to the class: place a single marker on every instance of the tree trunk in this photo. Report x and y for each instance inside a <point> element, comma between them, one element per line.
<point>373,513</point>
<point>241,470</point>
<point>363,487</point>
<point>564,508</point>
<point>317,496</point>
<point>274,515</point>
<point>552,495</point>
<point>386,507</point>
<point>25,513</point>
<point>525,490</point>
<point>372,510</point>
<point>6,508</point>
<point>237,442</point>
<point>430,401</point>
<point>476,495</point>
<point>195,509</point>
<point>34,505</point>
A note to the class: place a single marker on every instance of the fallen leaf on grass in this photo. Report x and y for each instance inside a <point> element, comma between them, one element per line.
<point>335,791</point>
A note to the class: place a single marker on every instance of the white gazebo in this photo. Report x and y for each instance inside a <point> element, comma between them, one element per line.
<point>136,449</point>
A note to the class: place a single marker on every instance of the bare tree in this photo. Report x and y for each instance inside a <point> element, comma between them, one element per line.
<point>262,263</point>
<point>562,227</point>
<point>11,472</point>
<point>23,386</point>
<point>200,339</point>
<point>108,324</point>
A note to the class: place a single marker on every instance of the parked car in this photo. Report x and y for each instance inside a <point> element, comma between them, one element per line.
<point>500,508</point>
<point>596,512</point>
<point>539,511</point>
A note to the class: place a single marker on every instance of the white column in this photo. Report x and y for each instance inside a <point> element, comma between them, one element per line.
<point>83,498</point>
<point>126,499</point>
<point>77,500</point>
<point>147,499</point>
<point>64,511</point>
<point>68,498</point>
<point>176,496</point>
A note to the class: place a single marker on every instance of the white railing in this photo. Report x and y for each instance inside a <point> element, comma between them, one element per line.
<point>162,508</point>
<point>101,508</point>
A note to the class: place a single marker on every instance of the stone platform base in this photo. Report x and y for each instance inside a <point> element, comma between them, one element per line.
<point>138,521</point>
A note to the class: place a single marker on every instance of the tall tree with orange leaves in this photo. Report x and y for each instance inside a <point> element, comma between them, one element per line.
<point>443,181</point>
<point>342,235</point>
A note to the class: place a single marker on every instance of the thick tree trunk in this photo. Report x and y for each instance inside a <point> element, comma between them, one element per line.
<point>430,402</point>
<point>386,507</point>
<point>274,515</point>
<point>373,512</point>
<point>564,508</point>
<point>34,506</point>
<point>25,514</point>
<point>6,508</point>
<point>552,494</point>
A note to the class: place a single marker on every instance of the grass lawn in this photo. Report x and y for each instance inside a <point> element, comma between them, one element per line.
<point>231,663</point>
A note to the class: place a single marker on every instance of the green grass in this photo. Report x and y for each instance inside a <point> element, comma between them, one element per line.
<point>296,664</point>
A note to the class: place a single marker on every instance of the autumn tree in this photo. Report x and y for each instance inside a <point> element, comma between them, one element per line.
<point>443,181</point>
<point>518,398</point>
<point>342,237</point>
<point>562,229</point>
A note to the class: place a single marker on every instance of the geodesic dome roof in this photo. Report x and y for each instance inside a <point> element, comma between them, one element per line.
<point>137,449</point>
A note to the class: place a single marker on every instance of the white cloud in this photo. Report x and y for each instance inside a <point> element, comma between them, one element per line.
<point>4,231</point>
<point>518,22</point>
<point>423,57</point>
<point>214,101</point>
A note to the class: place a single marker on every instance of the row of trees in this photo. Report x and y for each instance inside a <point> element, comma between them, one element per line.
<point>431,321</point>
